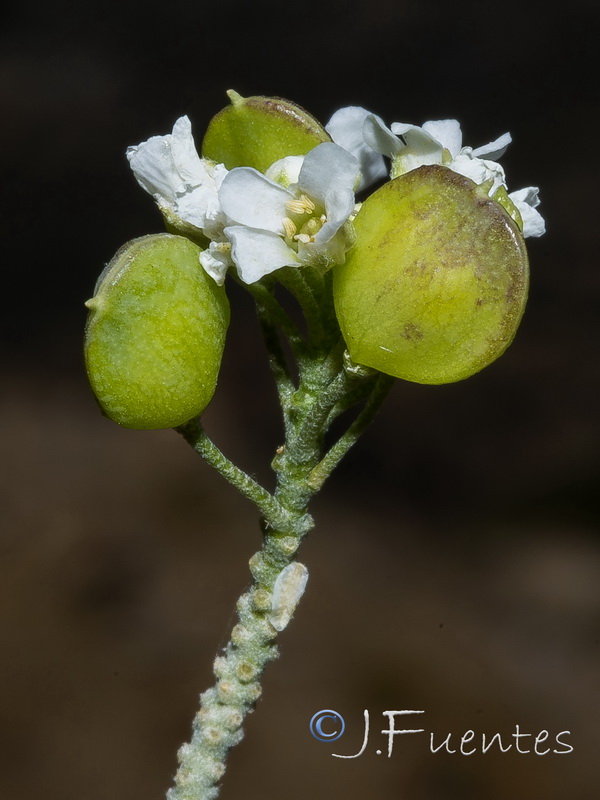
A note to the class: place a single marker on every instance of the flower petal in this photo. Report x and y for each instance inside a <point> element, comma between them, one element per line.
<point>479,170</point>
<point>527,200</point>
<point>346,129</point>
<point>184,185</point>
<point>249,198</point>
<point>494,149</point>
<point>216,261</point>
<point>257,253</point>
<point>338,207</point>
<point>165,165</point>
<point>426,148</point>
<point>183,149</point>
<point>530,195</point>
<point>324,255</point>
<point>379,137</point>
<point>326,168</point>
<point>447,132</point>
<point>199,205</point>
<point>286,170</point>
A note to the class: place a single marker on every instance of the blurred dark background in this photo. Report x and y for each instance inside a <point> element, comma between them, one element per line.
<point>455,567</point>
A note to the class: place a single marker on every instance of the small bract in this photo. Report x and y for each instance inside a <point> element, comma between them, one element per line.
<point>155,334</point>
<point>436,284</point>
<point>258,131</point>
<point>287,592</point>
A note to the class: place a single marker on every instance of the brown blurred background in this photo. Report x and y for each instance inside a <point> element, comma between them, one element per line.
<point>455,567</point>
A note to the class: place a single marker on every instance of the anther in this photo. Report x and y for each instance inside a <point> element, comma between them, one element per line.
<point>301,205</point>
<point>289,227</point>
<point>303,237</point>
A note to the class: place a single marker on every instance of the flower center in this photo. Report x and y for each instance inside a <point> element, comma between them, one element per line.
<point>297,227</point>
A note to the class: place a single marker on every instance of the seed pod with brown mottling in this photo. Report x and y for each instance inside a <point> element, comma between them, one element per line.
<point>436,284</point>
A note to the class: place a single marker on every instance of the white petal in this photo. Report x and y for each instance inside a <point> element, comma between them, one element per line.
<point>164,165</point>
<point>185,155</point>
<point>346,129</point>
<point>527,200</point>
<point>183,184</point>
<point>379,137</point>
<point>324,255</point>
<point>479,170</point>
<point>494,149</point>
<point>200,207</point>
<point>216,171</point>
<point>216,261</point>
<point>472,168</point>
<point>338,207</point>
<point>257,253</point>
<point>407,160</point>
<point>372,168</point>
<point>153,168</point>
<point>423,144</point>
<point>530,195</point>
<point>533,222</point>
<point>447,132</point>
<point>249,198</point>
<point>327,167</point>
<point>286,170</point>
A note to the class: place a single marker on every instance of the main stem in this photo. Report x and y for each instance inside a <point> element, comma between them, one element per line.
<point>324,389</point>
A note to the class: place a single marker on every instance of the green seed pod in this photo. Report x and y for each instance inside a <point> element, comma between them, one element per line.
<point>257,131</point>
<point>155,334</point>
<point>436,285</point>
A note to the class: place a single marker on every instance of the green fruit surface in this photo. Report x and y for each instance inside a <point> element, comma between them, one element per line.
<point>436,284</point>
<point>257,131</point>
<point>155,334</point>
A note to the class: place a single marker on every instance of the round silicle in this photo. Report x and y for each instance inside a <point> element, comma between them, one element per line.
<point>257,131</point>
<point>436,284</point>
<point>155,334</point>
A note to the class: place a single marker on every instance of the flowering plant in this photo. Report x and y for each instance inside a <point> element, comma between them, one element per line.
<point>424,280</point>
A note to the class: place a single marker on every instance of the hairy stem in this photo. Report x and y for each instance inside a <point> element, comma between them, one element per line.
<point>325,387</point>
<point>217,726</point>
<point>266,503</point>
<point>325,467</point>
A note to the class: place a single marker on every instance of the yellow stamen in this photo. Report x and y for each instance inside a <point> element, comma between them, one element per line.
<point>304,238</point>
<point>301,205</point>
<point>289,227</point>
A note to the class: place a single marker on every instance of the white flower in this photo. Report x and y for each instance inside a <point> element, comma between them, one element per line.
<point>291,216</point>
<point>295,221</point>
<point>184,185</point>
<point>435,142</point>
<point>440,142</point>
